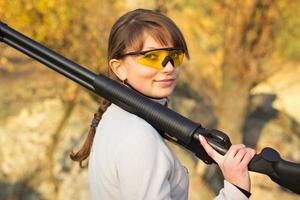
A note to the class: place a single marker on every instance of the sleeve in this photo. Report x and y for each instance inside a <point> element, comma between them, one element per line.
<point>245,192</point>
<point>230,192</point>
<point>142,167</point>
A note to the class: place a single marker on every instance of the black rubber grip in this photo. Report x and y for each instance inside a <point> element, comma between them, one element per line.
<point>156,114</point>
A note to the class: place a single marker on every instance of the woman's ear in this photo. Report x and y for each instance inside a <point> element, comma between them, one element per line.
<point>118,69</point>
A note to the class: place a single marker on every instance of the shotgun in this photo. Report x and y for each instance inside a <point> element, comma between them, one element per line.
<point>180,129</point>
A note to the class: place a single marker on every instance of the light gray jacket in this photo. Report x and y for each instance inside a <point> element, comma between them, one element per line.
<point>130,160</point>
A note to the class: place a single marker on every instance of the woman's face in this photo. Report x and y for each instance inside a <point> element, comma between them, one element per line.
<point>149,81</point>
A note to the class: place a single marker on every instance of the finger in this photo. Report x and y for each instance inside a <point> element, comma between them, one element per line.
<point>240,155</point>
<point>233,150</point>
<point>210,151</point>
<point>248,156</point>
<point>252,152</point>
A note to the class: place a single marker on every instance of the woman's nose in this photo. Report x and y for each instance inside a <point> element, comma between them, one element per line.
<point>168,67</point>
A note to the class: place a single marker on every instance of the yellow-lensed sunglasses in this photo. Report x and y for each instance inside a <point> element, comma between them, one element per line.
<point>159,58</point>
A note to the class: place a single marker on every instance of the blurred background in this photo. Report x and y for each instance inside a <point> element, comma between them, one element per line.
<point>243,78</point>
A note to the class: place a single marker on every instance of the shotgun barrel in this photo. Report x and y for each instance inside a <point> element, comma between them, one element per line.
<point>180,129</point>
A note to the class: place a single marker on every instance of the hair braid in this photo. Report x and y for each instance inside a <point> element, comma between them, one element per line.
<point>85,150</point>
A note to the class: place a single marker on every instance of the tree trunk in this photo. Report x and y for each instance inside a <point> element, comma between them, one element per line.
<point>231,109</point>
<point>248,36</point>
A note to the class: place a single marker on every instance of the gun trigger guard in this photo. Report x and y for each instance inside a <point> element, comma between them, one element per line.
<point>218,136</point>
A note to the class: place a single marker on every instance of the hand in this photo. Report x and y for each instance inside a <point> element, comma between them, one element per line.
<point>234,164</point>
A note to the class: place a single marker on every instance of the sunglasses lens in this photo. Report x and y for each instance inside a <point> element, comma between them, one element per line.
<point>155,58</point>
<point>177,57</point>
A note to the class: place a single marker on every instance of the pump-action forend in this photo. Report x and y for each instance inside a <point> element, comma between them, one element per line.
<point>180,129</point>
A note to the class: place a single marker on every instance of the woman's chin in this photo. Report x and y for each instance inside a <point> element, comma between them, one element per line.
<point>164,92</point>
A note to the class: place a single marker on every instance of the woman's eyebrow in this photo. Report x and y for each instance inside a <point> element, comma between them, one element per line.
<point>153,48</point>
<point>148,48</point>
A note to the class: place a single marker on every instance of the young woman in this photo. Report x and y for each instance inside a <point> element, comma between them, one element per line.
<point>129,159</point>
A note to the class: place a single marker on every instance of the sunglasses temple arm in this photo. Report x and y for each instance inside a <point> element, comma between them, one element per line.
<point>180,129</point>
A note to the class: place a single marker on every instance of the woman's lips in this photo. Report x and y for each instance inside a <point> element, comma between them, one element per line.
<point>166,82</point>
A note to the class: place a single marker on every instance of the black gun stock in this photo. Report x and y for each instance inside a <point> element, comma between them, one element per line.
<point>180,129</point>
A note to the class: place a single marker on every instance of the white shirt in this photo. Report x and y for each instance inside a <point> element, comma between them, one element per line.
<point>130,160</point>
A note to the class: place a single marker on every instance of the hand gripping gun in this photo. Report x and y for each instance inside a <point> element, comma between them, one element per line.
<point>180,129</point>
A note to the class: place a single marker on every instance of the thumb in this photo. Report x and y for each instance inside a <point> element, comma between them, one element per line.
<point>210,151</point>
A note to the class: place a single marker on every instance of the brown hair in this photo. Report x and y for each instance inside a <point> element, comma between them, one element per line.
<point>127,34</point>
